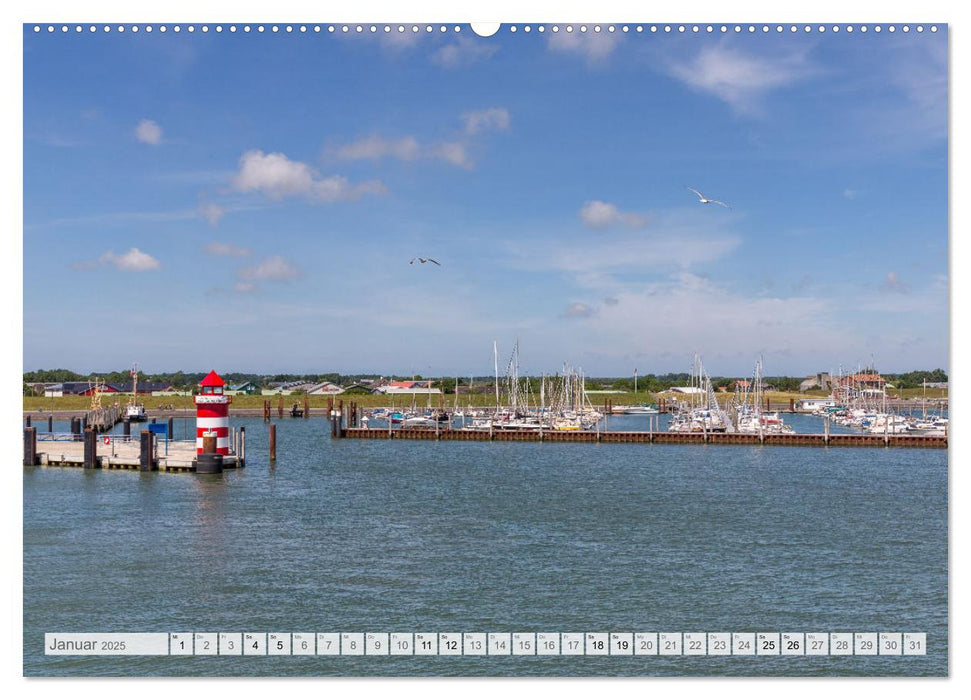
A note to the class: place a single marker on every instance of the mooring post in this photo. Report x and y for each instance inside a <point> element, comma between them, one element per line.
<point>84,422</point>
<point>306,406</point>
<point>27,421</point>
<point>90,449</point>
<point>126,428</point>
<point>30,447</point>
<point>241,459</point>
<point>50,424</point>
<point>333,423</point>
<point>280,407</point>
<point>171,432</point>
<point>826,430</point>
<point>272,443</point>
<point>146,458</point>
<point>886,430</point>
<point>75,425</point>
<point>792,405</point>
<point>266,411</point>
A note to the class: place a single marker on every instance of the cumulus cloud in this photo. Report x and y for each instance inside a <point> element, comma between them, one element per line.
<point>493,118</point>
<point>227,250</point>
<point>212,213</point>
<point>738,78</point>
<point>464,51</point>
<point>278,177</point>
<point>600,215</point>
<point>579,310</point>
<point>148,132</point>
<point>594,46</point>
<point>274,268</point>
<point>133,261</point>
<point>244,287</point>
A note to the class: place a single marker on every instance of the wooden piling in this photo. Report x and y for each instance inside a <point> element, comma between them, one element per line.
<point>50,424</point>
<point>826,430</point>
<point>171,432</point>
<point>30,446</point>
<point>27,421</point>
<point>306,406</point>
<point>280,407</point>
<point>126,428</point>
<point>146,457</point>
<point>90,449</point>
<point>75,425</point>
<point>792,405</point>
<point>266,411</point>
<point>272,443</point>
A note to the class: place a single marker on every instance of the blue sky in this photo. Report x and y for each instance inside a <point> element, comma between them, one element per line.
<point>251,201</point>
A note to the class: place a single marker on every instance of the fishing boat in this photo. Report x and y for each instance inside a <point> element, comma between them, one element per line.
<point>134,411</point>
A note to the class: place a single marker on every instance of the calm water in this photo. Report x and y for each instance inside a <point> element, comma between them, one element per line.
<point>449,537</point>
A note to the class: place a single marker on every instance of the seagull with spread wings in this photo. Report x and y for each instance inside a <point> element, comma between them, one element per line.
<point>424,260</point>
<point>704,200</point>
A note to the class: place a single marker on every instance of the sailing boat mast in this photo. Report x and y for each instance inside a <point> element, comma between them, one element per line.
<point>495,359</point>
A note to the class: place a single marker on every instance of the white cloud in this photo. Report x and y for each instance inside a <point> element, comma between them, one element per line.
<point>579,310</point>
<point>134,260</point>
<point>893,284</point>
<point>148,132</point>
<point>464,51</point>
<point>212,213</point>
<point>600,215</point>
<point>406,149</point>
<point>493,118</point>
<point>274,268</point>
<point>244,287</point>
<point>277,177</point>
<point>738,78</point>
<point>594,46</point>
<point>454,153</point>
<point>375,148</point>
<point>227,250</point>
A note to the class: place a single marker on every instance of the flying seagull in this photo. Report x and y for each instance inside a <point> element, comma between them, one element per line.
<point>704,200</point>
<point>424,260</point>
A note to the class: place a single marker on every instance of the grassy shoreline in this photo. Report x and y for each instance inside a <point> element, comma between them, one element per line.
<point>175,403</point>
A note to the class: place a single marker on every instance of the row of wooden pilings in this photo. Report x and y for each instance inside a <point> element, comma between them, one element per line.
<point>146,456</point>
<point>79,425</point>
<point>268,409</point>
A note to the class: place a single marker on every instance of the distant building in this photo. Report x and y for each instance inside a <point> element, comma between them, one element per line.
<point>686,390</point>
<point>818,381</point>
<point>325,388</point>
<point>143,387</point>
<point>411,387</point>
<point>248,388</point>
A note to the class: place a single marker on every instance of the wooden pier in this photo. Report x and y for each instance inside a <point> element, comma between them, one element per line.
<point>659,438</point>
<point>117,452</point>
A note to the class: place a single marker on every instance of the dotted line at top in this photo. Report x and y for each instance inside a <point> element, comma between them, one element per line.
<point>442,29</point>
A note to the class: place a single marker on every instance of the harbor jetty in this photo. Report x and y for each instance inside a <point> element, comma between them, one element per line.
<point>657,438</point>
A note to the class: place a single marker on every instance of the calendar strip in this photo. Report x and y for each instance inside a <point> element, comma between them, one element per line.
<point>755,644</point>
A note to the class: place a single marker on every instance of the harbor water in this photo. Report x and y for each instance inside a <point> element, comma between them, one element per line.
<point>403,536</point>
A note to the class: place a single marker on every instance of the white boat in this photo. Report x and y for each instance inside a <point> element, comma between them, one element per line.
<point>135,413</point>
<point>635,410</point>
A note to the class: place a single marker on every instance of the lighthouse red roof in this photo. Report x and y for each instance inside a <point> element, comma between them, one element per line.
<point>212,379</point>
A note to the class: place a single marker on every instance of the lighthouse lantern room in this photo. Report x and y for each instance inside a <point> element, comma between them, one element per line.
<point>212,412</point>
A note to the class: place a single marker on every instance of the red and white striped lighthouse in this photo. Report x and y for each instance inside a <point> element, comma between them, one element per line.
<point>212,413</point>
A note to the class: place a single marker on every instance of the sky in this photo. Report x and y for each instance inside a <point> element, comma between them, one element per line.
<point>252,201</point>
